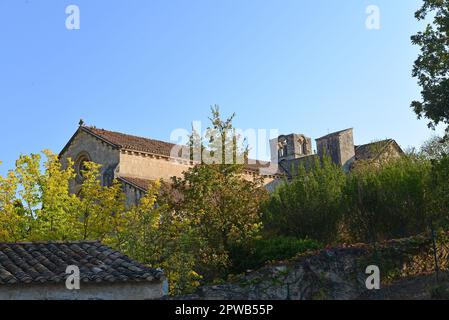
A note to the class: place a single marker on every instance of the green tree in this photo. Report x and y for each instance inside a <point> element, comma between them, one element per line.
<point>100,208</point>
<point>42,200</point>
<point>12,218</point>
<point>308,206</point>
<point>159,238</point>
<point>387,201</point>
<point>220,203</point>
<point>35,203</point>
<point>432,66</point>
<point>435,148</point>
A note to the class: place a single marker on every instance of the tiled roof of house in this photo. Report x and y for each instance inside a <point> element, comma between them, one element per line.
<point>126,141</point>
<point>372,150</point>
<point>140,183</point>
<point>46,262</point>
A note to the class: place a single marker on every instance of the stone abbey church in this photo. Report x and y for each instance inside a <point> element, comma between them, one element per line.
<point>137,161</point>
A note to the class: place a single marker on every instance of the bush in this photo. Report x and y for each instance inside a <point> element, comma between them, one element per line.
<point>387,201</point>
<point>265,250</point>
<point>374,202</point>
<point>309,206</point>
<point>439,192</point>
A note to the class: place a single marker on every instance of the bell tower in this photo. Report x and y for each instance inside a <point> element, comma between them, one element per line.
<point>290,147</point>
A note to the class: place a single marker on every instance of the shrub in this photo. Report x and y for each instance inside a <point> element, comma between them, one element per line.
<point>387,201</point>
<point>439,192</point>
<point>309,206</point>
<point>374,202</point>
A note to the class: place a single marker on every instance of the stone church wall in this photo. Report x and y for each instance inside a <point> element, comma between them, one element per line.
<point>97,151</point>
<point>148,167</point>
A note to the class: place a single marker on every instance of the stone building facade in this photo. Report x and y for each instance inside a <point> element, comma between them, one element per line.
<point>294,150</point>
<point>137,161</point>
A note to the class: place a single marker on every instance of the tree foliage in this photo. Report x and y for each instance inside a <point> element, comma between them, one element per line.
<point>434,148</point>
<point>391,199</point>
<point>35,202</point>
<point>432,66</point>
<point>308,206</point>
<point>220,203</point>
<point>159,237</point>
<point>388,201</point>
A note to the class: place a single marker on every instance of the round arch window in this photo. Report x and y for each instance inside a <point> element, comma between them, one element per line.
<point>80,166</point>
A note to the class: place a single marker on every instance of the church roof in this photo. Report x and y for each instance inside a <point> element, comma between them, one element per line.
<point>157,147</point>
<point>46,262</point>
<point>126,141</point>
<point>373,150</point>
<point>139,183</point>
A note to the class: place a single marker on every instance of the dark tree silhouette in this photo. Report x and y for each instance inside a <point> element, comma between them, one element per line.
<point>432,66</point>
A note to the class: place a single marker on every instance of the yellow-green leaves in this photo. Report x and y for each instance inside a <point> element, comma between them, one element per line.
<point>100,207</point>
<point>10,215</point>
<point>54,219</point>
<point>35,203</point>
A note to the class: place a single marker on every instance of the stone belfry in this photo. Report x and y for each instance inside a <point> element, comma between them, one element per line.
<point>290,147</point>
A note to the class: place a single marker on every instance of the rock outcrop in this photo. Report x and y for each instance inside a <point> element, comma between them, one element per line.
<point>331,274</point>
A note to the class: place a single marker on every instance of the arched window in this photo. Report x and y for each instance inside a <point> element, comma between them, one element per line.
<point>282,148</point>
<point>80,166</point>
<point>302,145</point>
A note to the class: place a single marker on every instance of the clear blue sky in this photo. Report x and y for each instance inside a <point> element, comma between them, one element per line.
<point>149,66</point>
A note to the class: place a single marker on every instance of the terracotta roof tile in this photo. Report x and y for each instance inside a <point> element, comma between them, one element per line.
<point>126,141</point>
<point>46,262</point>
<point>140,183</point>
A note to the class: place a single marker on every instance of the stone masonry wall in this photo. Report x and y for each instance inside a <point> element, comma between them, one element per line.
<point>98,151</point>
<point>147,167</point>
